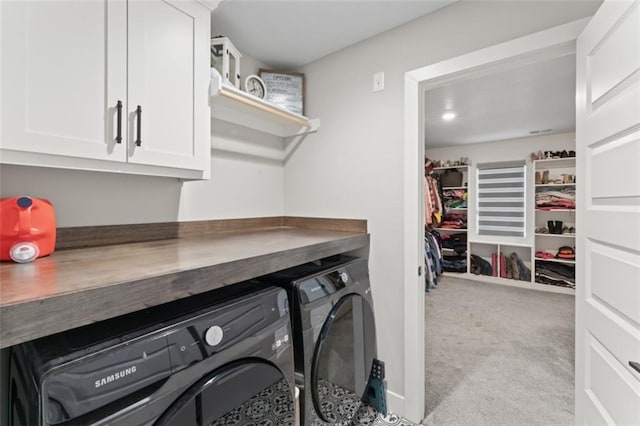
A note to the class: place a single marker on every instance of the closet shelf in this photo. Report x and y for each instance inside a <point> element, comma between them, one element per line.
<point>556,210</point>
<point>235,106</point>
<point>466,166</point>
<point>444,188</point>
<point>569,262</point>
<point>557,235</point>
<point>461,209</point>
<point>450,229</point>
<point>555,163</point>
<point>541,185</point>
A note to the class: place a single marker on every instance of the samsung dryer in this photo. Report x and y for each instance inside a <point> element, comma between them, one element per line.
<point>214,359</point>
<point>334,335</point>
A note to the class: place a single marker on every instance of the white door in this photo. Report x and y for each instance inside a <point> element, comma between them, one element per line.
<point>608,217</point>
<point>168,80</point>
<point>63,72</point>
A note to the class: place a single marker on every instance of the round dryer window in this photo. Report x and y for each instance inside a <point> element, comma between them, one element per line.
<point>240,393</point>
<point>342,360</point>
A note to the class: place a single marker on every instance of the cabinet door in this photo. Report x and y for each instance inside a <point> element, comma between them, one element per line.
<point>168,79</point>
<point>63,72</point>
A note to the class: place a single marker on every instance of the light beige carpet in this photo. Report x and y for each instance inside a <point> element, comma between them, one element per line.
<point>498,355</point>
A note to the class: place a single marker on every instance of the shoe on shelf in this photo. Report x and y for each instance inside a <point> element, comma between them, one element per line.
<point>542,230</point>
<point>545,177</point>
<point>538,178</point>
<point>565,230</point>
<point>572,230</point>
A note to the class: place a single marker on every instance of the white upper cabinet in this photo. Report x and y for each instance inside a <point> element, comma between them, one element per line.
<point>67,66</point>
<point>63,71</point>
<point>166,73</point>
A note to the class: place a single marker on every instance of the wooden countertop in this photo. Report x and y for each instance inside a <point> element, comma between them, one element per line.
<point>75,287</point>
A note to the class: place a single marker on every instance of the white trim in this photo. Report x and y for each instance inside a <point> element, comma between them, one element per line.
<point>413,401</point>
<point>547,44</point>
<point>395,402</point>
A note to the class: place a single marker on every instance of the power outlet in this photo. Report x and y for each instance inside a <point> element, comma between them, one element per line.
<point>378,81</point>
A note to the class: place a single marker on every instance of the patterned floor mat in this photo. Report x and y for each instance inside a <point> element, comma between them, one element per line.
<point>274,407</point>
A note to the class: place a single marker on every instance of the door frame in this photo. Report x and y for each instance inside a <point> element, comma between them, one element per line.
<point>547,44</point>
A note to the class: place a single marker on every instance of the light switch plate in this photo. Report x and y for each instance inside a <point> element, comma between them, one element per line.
<point>378,81</point>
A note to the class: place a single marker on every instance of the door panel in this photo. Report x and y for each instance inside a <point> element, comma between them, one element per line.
<point>608,216</point>
<point>614,49</point>
<point>63,71</point>
<point>242,392</point>
<point>624,153</point>
<point>607,262</point>
<point>342,359</point>
<point>165,62</point>
<point>611,386</point>
<point>619,337</point>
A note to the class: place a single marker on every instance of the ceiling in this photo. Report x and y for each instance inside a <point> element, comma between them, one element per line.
<point>539,97</point>
<point>286,34</point>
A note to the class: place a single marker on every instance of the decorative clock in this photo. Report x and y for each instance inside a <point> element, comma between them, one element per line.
<point>255,86</point>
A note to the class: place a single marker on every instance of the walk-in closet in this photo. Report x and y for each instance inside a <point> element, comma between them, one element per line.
<point>499,194</point>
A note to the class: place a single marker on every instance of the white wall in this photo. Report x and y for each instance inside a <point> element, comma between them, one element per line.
<point>240,186</point>
<point>354,165</point>
<point>505,150</point>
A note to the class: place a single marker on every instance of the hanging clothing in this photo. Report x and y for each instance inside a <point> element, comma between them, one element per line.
<point>433,259</point>
<point>433,203</point>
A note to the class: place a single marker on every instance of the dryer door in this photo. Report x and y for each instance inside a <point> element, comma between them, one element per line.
<point>342,359</point>
<point>243,392</point>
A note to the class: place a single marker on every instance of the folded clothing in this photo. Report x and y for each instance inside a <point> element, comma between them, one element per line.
<point>551,198</point>
<point>545,255</point>
<point>456,242</point>
<point>454,263</point>
<point>554,273</point>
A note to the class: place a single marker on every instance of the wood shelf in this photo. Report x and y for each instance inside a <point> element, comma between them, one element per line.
<point>557,235</point>
<point>235,106</point>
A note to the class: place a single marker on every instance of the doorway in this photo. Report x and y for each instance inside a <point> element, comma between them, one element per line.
<point>544,45</point>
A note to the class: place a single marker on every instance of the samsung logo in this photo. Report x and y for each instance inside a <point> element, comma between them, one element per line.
<point>116,376</point>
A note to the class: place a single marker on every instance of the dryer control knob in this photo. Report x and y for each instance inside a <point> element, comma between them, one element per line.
<point>213,336</point>
<point>344,277</point>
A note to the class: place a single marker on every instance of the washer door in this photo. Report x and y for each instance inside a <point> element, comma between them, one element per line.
<point>245,392</point>
<point>342,359</point>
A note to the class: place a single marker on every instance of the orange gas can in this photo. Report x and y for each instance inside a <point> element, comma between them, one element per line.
<point>27,228</point>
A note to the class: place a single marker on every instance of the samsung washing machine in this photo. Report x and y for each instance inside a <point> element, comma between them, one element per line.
<point>221,363</point>
<point>334,336</point>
